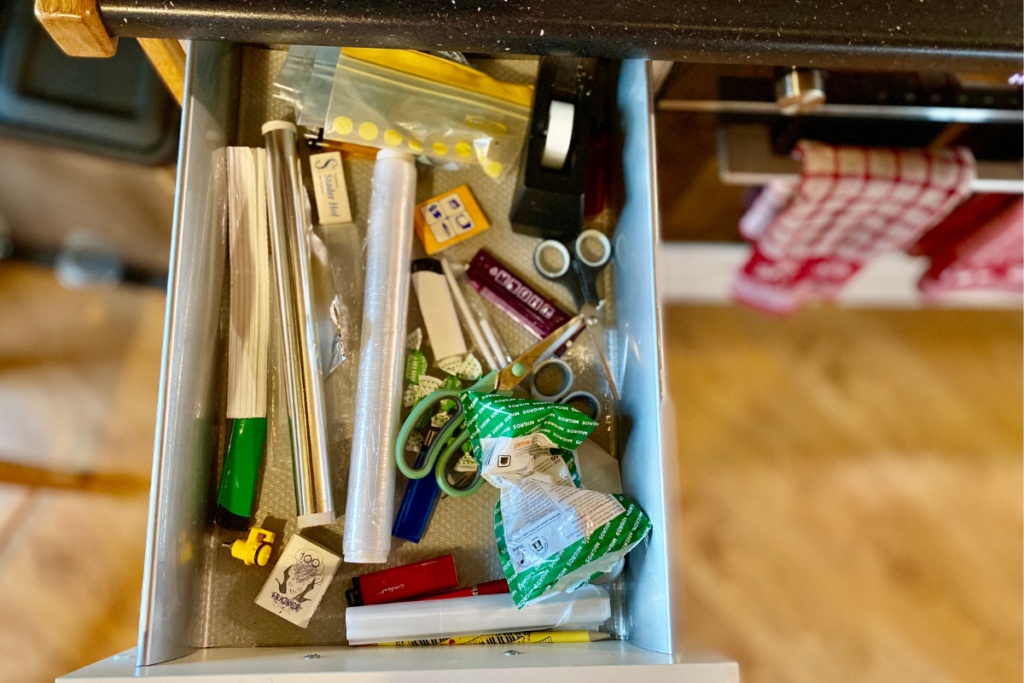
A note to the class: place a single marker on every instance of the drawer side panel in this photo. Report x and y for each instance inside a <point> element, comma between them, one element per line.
<point>653,584</point>
<point>189,411</point>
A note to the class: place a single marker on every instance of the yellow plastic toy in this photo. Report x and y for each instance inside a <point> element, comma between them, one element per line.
<point>254,550</point>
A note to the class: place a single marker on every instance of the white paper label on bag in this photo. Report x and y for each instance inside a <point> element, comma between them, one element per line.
<point>299,581</point>
<point>329,187</point>
<point>549,518</point>
<point>508,461</point>
<point>544,511</point>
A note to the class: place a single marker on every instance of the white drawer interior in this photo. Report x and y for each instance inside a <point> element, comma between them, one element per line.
<point>195,595</point>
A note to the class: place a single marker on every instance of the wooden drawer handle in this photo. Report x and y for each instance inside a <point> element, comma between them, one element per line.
<point>75,26</point>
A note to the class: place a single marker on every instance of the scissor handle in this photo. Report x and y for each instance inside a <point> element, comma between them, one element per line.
<point>580,268</point>
<point>454,449</point>
<point>426,407</point>
<point>593,260</point>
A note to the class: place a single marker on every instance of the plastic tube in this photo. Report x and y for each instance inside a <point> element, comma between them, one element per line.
<point>303,376</point>
<point>371,480</point>
<point>587,607</point>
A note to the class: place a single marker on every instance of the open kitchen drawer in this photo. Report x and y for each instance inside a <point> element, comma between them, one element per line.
<point>198,617</point>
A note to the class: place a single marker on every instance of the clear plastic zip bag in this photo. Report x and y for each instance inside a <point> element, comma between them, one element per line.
<point>429,106</point>
<point>305,82</point>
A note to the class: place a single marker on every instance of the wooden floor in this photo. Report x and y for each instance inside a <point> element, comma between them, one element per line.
<point>78,387</point>
<point>852,492</point>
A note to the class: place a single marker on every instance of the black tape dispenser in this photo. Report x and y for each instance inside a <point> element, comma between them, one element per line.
<point>570,112</point>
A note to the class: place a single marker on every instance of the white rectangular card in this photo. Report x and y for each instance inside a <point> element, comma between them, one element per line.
<point>329,186</point>
<point>439,315</point>
<point>299,580</point>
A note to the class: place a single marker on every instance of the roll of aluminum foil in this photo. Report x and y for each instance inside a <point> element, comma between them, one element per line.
<point>303,377</point>
<point>371,479</point>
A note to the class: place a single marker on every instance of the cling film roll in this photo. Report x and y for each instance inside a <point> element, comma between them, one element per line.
<point>378,401</point>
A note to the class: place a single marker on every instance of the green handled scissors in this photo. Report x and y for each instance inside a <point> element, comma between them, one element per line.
<point>439,451</point>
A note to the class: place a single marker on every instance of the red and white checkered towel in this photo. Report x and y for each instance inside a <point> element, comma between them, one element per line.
<point>980,246</point>
<point>850,205</point>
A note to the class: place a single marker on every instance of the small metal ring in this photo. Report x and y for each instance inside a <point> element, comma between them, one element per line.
<point>605,245</point>
<point>566,258</point>
<point>587,396</point>
<point>566,385</point>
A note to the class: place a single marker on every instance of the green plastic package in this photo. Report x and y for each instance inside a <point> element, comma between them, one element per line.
<point>552,534</point>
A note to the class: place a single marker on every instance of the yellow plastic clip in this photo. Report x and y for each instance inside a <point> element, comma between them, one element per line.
<point>255,549</point>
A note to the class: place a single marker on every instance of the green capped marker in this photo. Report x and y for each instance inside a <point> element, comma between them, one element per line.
<point>241,471</point>
<point>248,260</point>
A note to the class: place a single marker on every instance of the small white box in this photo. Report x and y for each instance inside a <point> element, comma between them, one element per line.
<point>329,186</point>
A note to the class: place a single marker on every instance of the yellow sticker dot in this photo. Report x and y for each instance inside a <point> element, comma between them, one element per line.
<point>439,148</point>
<point>463,149</point>
<point>416,147</point>
<point>367,131</point>
<point>493,168</point>
<point>392,137</point>
<point>343,125</point>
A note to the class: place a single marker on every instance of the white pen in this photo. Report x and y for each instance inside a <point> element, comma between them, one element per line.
<point>493,340</point>
<point>468,318</point>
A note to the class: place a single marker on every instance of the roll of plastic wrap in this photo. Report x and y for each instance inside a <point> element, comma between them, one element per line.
<point>378,403</point>
<point>559,137</point>
<point>480,614</point>
<point>303,375</point>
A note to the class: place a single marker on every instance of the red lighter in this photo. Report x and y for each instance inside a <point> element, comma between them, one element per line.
<point>402,583</point>
<point>495,587</point>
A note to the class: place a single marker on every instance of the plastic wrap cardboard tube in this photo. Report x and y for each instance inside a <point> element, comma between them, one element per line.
<point>378,403</point>
<point>482,614</point>
<point>303,376</point>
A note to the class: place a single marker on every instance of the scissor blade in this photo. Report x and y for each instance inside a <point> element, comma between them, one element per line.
<point>593,322</point>
<point>512,375</point>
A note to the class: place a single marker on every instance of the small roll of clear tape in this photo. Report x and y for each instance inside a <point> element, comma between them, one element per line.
<point>556,144</point>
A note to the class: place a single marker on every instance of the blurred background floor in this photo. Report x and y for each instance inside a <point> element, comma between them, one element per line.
<point>852,491</point>
<point>78,386</point>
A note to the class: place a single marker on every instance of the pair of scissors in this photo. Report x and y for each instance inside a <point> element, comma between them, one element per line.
<point>577,269</point>
<point>438,444</point>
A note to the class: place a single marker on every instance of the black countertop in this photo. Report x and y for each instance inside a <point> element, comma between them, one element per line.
<point>866,34</point>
